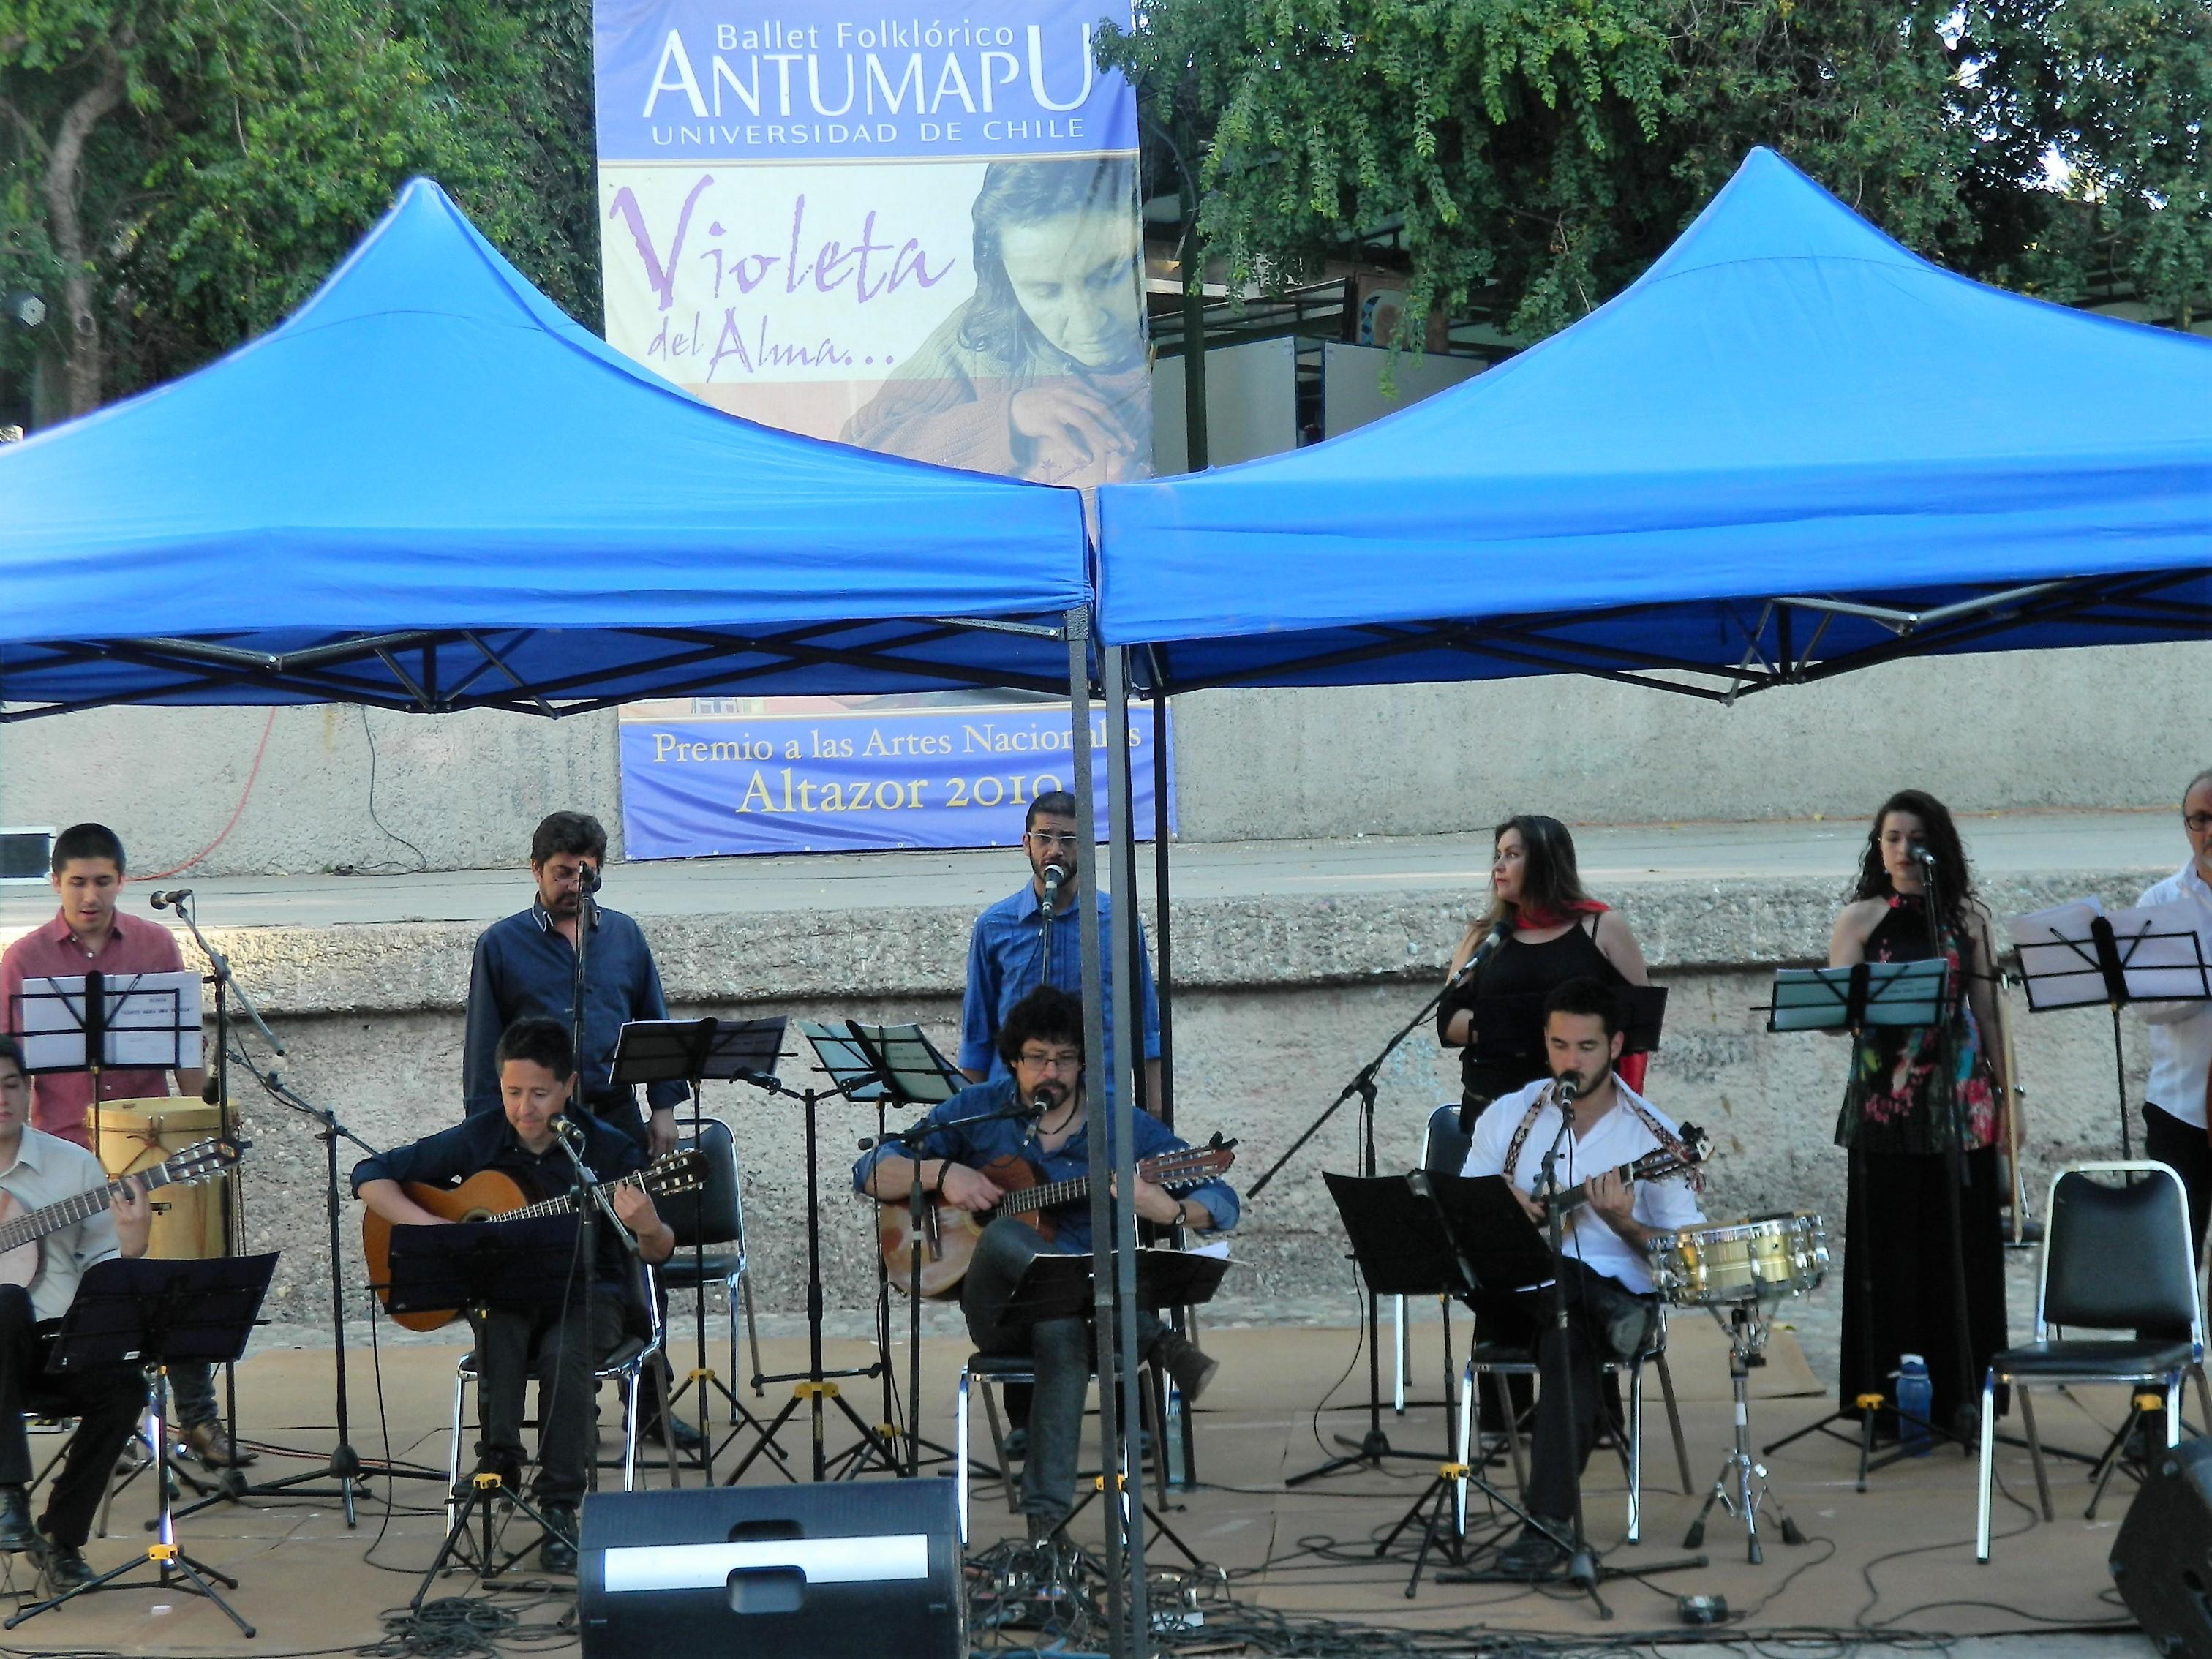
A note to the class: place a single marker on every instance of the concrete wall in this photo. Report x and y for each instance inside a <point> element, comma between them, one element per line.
<point>2117,726</point>
<point>1282,1001</point>
<point>467,789</point>
<point>2107,726</point>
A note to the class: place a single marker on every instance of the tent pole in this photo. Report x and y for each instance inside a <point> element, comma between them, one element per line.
<point>1103,1324</point>
<point>1162,974</point>
<point>1113,666</point>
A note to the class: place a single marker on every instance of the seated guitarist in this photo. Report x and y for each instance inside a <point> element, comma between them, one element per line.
<point>535,1065</point>
<point>36,1169</point>
<point>1041,1041</point>
<point>1607,1281</point>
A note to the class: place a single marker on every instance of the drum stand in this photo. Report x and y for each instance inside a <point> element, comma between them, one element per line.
<point>1740,1487</point>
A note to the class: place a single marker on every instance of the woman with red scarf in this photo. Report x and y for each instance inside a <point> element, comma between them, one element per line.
<point>1549,931</point>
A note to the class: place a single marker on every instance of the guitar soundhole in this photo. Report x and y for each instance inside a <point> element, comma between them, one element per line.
<point>477,1215</point>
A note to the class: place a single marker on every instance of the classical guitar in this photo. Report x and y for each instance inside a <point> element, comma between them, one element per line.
<point>1654,1165</point>
<point>20,1230</point>
<point>949,1233</point>
<point>492,1196</point>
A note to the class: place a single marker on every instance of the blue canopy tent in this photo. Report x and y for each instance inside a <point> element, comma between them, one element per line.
<point>428,488</point>
<point>1790,449</point>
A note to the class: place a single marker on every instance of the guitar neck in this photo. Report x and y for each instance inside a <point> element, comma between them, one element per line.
<point>1579,1194</point>
<point>1048,1196</point>
<point>566,1203</point>
<point>67,1212</point>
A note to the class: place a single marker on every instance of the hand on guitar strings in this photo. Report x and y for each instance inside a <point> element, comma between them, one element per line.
<point>1154,1204</point>
<point>134,1216</point>
<point>965,1189</point>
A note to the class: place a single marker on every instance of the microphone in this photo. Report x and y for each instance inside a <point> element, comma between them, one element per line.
<point>1497,936</point>
<point>1055,874</point>
<point>167,898</point>
<point>567,1128</point>
<point>1564,1091</point>
<point>587,879</point>
<point>1918,853</point>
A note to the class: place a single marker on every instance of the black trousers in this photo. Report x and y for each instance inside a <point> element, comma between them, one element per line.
<point>1572,1403</point>
<point>107,1400</point>
<point>2183,1148</point>
<point>561,1350</point>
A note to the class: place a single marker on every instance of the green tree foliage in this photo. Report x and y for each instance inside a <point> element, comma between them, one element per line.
<point>176,174</point>
<point>1531,156</point>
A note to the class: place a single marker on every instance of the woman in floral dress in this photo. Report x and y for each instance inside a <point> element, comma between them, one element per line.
<point>1914,1094</point>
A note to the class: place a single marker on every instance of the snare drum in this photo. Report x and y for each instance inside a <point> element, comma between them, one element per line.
<point>136,1135</point>
<point>1763,1259</point>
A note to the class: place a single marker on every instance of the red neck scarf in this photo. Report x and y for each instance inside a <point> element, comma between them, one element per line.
<point>1529,916</point>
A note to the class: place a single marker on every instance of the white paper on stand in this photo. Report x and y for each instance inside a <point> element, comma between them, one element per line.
<point>2162,955</point>
<point>153,1023</point>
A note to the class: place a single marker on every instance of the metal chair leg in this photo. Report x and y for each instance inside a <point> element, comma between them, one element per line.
<point>962,1476</point>
<point>1674,1423</point>
<point>1636,1450</point>
<point>454,1447</point>
<point>1989,1465</point>
<point>1504,1396</point>
<point>2034,1440</point>
<point>1398,1353</point>
<point>998,1449</point>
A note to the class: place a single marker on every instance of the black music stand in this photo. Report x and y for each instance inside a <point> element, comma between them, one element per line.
<point>152,1314</point>
<point>814,1385</point>
<point>888,1066</point>
<point>528,1264</point>
<point>692,1051</point>
<point>1058,1285</point>
<point>1909,994</point>
<point>2074,956</point>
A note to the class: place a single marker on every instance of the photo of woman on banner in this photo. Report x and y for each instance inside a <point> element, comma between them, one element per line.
<point>1041,374</point>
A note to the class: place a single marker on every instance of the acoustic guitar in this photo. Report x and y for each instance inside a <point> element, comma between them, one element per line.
<point>20,1230</point>
<point>949,1233</point>
<point>489,1195</point>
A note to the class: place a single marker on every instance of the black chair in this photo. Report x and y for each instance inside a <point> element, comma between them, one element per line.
<point>2115,1259</point>
<point>1443,1151</point>
<point>709,1224</point>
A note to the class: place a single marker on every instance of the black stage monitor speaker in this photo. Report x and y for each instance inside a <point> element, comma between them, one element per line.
<point>852,1570</point>
<point>2162,1559</point>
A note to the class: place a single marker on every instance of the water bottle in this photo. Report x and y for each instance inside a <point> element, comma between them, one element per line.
<point>1171,1447</point>
<point>1916,1400</point>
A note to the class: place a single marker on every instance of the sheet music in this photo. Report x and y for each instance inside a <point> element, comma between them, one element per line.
<point>2157,943</point>
<point>153,1023</point>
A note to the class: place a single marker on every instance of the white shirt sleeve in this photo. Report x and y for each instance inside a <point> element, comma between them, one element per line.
<point>1493,1134</point>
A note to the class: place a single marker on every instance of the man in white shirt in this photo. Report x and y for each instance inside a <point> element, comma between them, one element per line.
<point>2181,1032</point>
<point>1605,1274</point>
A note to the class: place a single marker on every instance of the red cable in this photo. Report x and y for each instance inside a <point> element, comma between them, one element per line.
<point>239,812</point>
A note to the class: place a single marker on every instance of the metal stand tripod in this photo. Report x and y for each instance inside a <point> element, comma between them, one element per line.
<point>1741,1487</point>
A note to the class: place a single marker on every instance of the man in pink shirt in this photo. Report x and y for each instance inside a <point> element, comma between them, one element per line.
<point>88,935</point>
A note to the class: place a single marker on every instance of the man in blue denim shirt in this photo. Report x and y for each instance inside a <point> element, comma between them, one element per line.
<point>525,968</point>
<point>1008,956</point>
<point>1041,1041</point>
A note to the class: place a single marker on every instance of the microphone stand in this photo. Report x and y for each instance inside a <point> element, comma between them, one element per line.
<point>1371,1449</point>
<point>1582,1562</point>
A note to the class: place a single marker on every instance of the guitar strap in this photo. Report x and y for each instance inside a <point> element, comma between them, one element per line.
<point>1643,1114</point>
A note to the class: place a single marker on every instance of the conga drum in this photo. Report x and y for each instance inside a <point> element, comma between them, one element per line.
<point>136,1135</point>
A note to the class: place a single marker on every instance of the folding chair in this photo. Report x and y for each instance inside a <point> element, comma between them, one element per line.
<point>2115,1258</point>
<point>1499,1360</point>
<point>1443,1151</point>
<point>710,1249</point>
<point>623,1367</point>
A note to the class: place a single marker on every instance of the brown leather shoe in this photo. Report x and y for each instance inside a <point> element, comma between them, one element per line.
<point>213,1445</point>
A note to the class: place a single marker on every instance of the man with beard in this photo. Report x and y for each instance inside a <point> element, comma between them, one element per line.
<point>1603,1277</point>
<point>1041,1041</point>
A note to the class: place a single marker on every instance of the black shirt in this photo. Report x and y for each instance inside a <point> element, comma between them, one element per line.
<point>1504,998</point>
<point>488,1141</point>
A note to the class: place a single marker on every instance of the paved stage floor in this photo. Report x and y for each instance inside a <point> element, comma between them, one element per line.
<point>1897,1558</point>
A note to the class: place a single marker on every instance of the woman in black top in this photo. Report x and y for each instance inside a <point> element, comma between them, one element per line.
<point>1548,931</point>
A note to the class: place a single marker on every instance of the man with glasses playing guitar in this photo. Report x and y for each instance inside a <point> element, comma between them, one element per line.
<point>38,1170</point>
<point>1605,1278</point>
<point>535,1065</point>
<point>985,1168</point>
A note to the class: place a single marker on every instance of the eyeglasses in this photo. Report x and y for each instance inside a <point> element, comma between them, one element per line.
<point>1063,843</point>
<point>2197,822</point>
<point>1066,1060</point>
